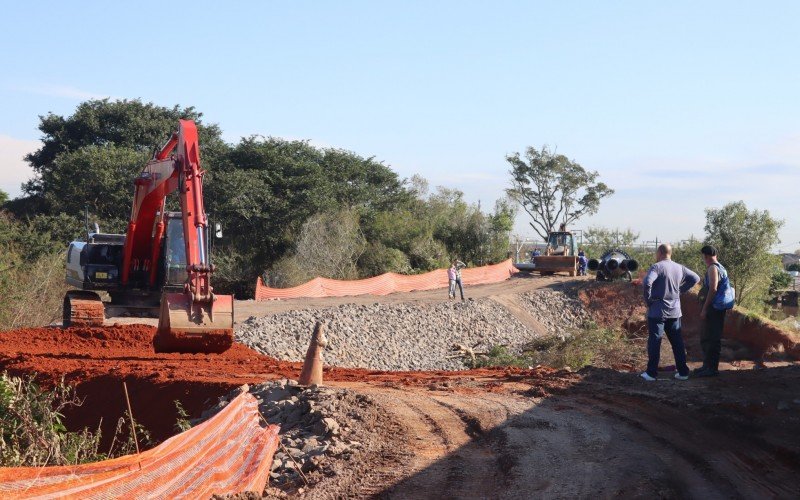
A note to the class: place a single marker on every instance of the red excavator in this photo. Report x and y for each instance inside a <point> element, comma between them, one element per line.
<point>162,262</point>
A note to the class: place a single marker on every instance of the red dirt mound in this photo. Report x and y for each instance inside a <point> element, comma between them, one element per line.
<point>98,360</point>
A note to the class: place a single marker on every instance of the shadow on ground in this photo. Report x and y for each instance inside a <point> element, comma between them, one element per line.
<point>609,434</point>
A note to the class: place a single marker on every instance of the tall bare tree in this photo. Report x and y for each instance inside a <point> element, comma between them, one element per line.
<point>553,189</point>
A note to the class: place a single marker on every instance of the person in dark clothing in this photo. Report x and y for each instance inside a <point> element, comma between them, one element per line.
<point>583,263</point>
<point>662,287</point>
<point>719,298</point>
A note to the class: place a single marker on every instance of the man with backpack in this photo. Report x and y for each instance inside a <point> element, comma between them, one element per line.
<point>720,296</point>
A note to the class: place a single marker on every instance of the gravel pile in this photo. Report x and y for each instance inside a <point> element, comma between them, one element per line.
<point>409,336</point>
<point>387,336</point>
<point>319,429</point>
<point>560,311</point>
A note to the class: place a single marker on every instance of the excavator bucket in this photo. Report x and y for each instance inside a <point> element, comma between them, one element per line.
<point>194,327</point>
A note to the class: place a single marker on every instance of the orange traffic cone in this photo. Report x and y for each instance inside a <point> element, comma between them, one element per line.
<point>312,366</point>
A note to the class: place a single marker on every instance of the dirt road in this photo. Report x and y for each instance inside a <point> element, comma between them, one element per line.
<point>601,433</point>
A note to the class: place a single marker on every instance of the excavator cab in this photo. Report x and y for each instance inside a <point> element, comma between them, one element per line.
<point>174,270</point>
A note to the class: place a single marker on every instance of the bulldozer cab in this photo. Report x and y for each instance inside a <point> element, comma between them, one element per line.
<point>562,243</point>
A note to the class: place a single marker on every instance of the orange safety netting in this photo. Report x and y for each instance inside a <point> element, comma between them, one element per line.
<point>228,453</point>
<point>386,283</point>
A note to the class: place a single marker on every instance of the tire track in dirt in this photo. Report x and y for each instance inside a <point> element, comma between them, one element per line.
<point>591,438</point>
<point>444,424</point>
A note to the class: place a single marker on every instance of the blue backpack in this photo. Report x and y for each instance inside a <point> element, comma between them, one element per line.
<point>726,294</point>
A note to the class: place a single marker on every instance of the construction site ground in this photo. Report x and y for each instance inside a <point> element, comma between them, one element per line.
<point>484,433</point>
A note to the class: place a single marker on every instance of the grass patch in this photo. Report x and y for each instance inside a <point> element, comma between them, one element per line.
<point>589,345</point>
<point>500,356</point>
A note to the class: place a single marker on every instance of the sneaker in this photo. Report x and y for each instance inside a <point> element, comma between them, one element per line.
<point>647,377</point>
<point>707,373</point>
<point>699,370</point>
<point>681,377</point>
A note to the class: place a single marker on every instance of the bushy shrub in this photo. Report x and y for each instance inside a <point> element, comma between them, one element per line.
<point>379,259</point>
<point>32,431</point>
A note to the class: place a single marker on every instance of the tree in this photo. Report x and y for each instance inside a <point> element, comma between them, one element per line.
<point>97,177</point>
<point>91,157</point>
<point>744,240</point>
<point>329,245</point>
<point>553,189</point>
<point>599,239</point>
<point>265,188</point>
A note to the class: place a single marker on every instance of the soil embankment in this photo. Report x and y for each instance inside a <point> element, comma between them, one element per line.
<point>746,337</point>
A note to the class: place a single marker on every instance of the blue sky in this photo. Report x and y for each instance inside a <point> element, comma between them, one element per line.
<point>678,105</point>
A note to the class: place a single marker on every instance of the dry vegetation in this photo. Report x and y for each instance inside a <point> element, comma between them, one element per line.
<point>32,293</point>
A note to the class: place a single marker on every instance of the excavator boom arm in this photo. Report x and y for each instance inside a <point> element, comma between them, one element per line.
<point>195,320</point>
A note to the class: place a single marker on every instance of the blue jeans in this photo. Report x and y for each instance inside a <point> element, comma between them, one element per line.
<point>657,328</point>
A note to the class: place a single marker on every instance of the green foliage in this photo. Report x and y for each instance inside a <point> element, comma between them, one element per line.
<point>182,424</point>
<point>31,274</point>
<point>598,240</point>
<point>500,356</point>
<point>90,157</point>
<point>744,240</point>
<point>688,254</point>
<point>379,259</point>
<point>553,189</point>
<point>264,191</point>
<point>33,433</point>
<point>97,177</point>
<point>780,280</point>
<point>589,345</point>
<point>793,267</point>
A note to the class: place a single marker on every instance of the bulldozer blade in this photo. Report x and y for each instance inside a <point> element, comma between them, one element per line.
<point>194,327</point>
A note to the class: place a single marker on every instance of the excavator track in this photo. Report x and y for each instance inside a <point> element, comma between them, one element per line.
<point>83,308</point>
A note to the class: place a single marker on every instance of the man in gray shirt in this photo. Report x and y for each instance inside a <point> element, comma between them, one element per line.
<point>663,285</point>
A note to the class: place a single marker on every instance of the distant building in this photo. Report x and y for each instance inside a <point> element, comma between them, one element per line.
<point>788,259</point>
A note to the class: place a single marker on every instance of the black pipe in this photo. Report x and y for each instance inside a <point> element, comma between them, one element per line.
<point>631,265</point>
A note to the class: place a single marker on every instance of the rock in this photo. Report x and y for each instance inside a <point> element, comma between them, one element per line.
<point>331,426</point>
<point>310,444</point>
